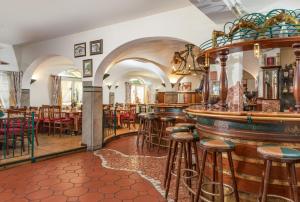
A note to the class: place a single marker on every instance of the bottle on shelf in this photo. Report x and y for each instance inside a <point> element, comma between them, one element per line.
<point>285,72</point>
<point>285,88</point>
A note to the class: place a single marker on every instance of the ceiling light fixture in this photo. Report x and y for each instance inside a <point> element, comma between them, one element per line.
<point>184,62</point>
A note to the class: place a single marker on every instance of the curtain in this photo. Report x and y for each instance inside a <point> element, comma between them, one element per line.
<point>55,90</point>
<point>15,88</point>
<point>127,92</point>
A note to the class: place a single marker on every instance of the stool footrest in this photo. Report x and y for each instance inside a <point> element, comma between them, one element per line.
<point>216,194</point>
<point>280,197</point>
<point>185,177</point>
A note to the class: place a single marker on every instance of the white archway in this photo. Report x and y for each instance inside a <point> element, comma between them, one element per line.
<point>116,55</point>
<point>54,60</point>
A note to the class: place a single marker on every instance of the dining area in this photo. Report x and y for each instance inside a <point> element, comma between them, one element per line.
<point>30,132</point>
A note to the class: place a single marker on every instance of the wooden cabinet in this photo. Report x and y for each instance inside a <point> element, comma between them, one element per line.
<point>178,97</point>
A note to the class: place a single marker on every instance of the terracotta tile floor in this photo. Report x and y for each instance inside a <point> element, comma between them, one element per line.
<point>76,177</point>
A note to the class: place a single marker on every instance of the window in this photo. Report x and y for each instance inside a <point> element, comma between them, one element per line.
<point>137,94</point>
<point>71,90</point>
<point>4,90</point>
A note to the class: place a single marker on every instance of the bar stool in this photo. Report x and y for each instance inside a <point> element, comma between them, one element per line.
<point>216,147</point>
<point>165,122</point>
<point>191,126</point>
<point>169,131</point>
<point>184,141</point>
<point>150,124</point>
<point>279,154</point>
<point>141,129</point>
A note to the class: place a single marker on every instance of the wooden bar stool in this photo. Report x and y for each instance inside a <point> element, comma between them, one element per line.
<point>165,122</point>
<point>141,129</point>
<point>216,147</point>
<point>169,131</point>
<point>191,126</point>
<point>279,154</point>
<point>150,124</point>
<point>184,141</point>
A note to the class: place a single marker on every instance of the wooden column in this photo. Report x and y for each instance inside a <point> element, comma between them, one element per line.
<point>296,48</point>
<point>205,91</point>
<point>223,79</point>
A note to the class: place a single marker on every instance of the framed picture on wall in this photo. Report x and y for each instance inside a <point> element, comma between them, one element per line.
<point>87,68</point>
<point>96,47</point>
<point>80,50</point>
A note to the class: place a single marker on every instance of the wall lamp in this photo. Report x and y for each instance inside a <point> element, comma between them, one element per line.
<point>32,81</point>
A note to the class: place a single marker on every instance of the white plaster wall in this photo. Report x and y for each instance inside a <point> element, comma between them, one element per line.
<point>39,90</point>
<point>120,91</point>
<point>195,80</point>
<point>187,23</point>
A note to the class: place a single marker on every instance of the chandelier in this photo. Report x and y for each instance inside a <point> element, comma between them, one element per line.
<point>184,62</point>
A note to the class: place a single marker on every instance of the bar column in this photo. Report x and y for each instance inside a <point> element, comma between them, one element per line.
<point>296,48</point>
<point>92,133</point>
<point>223,79</point>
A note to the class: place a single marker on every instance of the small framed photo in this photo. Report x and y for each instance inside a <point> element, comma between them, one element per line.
<point>87,68</point>
<point>96,47</point>
<point>80,50</point>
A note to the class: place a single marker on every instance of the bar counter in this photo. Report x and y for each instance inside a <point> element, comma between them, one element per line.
<point>176,110</point>
<point>249,130</point>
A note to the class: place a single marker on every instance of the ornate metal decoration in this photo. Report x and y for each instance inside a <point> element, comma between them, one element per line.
<point>277,23</point>
<point>184,62</point>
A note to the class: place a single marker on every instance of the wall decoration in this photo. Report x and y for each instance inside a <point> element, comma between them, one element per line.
<point>87,68</point>
<point>96,47</point>
<point>80,50</point>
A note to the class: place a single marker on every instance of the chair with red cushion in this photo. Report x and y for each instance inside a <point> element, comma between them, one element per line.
<point>130,117</point>
<point>16,124</point>
<point>45,112</point>
<point>60,120</point>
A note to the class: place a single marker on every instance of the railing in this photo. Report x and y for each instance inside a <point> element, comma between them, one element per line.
<point>277,23</point>
<point>17,138</point>
<point>109,123</point>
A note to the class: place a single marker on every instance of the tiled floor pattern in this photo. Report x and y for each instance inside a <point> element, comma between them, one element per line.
<point>51,144</point>
<point>76,177</point>
<point>149,167</point>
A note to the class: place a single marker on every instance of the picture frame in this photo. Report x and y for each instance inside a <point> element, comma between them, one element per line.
<point>96,47</point>
<point>80,50</point>
<point>87,66</point>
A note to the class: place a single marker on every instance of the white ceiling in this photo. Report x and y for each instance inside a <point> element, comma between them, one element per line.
<point>34,20</point>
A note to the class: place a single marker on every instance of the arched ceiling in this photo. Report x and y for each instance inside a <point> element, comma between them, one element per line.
<point>133,68</point>
<point>159,52</point>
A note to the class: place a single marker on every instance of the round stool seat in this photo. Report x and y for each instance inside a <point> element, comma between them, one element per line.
<point>191,126</point>
<point>182,137</point>
<point>217,144</point>
<point>151,117</point>
<point>167,119</point>
<point>176,129</point>
<point>279,152</point>
<point>142,115</point>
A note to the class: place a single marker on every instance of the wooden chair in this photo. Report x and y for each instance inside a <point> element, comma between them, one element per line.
<point>16,125</point>
<point>129,118</point>
<point>60,120</point>
<point>46,117</point>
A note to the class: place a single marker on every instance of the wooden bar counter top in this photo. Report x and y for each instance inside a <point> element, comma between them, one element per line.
<point>248,130</point>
